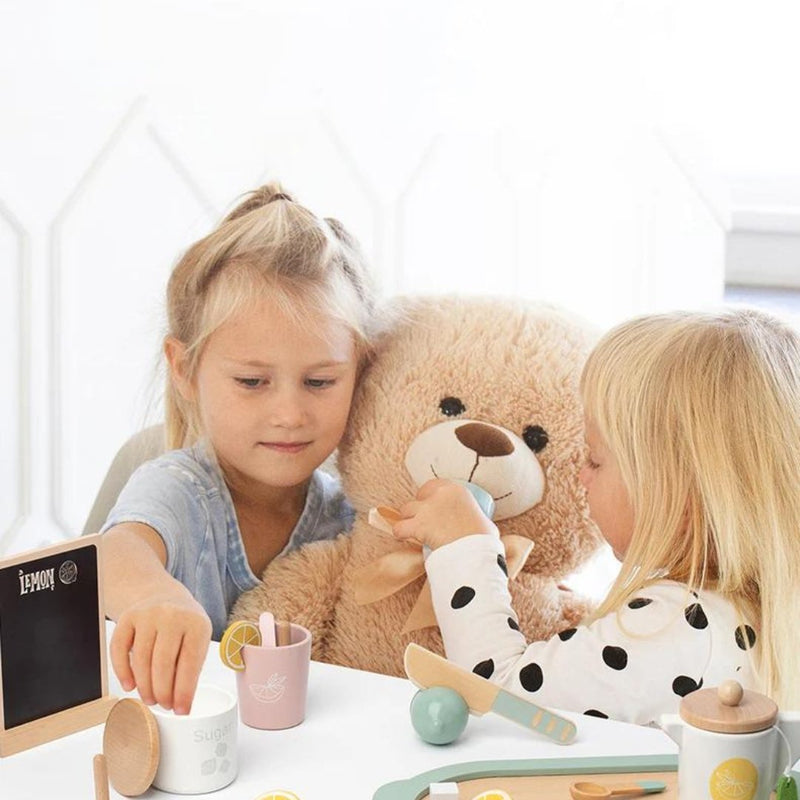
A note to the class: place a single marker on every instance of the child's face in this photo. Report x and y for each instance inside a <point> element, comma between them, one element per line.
<point>609,504</point>
<point>274,395</point>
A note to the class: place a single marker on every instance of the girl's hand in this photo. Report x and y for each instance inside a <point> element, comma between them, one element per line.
<point>443,512</point>
<point>158,647</point>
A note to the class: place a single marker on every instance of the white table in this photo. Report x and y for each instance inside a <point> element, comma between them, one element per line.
<point>356,737</point>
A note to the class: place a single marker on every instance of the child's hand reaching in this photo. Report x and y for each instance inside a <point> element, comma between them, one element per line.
<point>443,512</point>
<point>158,647</point>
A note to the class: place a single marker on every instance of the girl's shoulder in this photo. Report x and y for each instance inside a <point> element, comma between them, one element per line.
<point>194,466</point>
<point>667,602</point>
<point>328,500</point>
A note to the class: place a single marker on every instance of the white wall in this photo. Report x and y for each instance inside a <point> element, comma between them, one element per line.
<point>504,147</point>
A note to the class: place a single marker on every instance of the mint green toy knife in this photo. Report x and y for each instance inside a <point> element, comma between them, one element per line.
<point>426,669</point>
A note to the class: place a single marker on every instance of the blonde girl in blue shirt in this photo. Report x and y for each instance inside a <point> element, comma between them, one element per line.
<point>270,319</point>
<point>693,477</point>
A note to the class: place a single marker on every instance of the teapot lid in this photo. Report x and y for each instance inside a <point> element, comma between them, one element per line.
<point>728,709</point>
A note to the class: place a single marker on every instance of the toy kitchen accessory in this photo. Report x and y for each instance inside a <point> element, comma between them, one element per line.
<point>730,745</point>
<point>449,693</point>
<point>192,753</point>
<point>272,663</point>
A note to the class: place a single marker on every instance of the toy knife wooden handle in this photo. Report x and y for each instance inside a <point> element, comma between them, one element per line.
<point>383,517</point>
<point>426,669</point>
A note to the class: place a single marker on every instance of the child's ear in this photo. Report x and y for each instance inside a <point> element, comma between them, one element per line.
<point>175,352</point>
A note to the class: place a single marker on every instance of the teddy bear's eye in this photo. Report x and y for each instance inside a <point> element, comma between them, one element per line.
<point>535,436</point>
<point>452,407</point>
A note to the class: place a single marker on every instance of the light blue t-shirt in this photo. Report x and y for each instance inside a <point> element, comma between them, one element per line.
<point>183,496</point>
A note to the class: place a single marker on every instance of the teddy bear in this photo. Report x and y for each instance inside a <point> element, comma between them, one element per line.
<point>483,390</point>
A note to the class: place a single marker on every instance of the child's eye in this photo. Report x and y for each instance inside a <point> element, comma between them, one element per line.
<point>320,383</point>
<point>591,463</point>
<point>250,383</point>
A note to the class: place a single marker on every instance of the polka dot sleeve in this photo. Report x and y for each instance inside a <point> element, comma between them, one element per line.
<point>631,665</point>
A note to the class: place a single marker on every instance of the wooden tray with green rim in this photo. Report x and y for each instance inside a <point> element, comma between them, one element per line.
<point>542,779</point>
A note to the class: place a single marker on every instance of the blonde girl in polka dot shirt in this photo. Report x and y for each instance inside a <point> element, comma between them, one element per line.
<point>693,477</point>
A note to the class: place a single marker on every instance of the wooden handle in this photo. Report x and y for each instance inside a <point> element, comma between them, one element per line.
<point>283,632</point>
<point>100,777</point>
<point>382,518</point>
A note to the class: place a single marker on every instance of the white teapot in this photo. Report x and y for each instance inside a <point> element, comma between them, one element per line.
<point>730,745</point>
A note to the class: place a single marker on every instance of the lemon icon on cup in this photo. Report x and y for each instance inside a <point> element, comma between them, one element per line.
<point>734,779</point>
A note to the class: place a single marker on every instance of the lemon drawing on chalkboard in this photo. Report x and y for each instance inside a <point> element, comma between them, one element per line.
<point>734,779</point>
<point>237,635</point>
<point>68,572</point>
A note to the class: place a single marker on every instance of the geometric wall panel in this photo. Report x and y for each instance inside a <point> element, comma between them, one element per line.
<point>307,154</point>
<point>301,149</point>
<point>456,220</point>
<point>619,232</point>
<point>113,245</point>
<point>589,232</point>
<point>15,475</point>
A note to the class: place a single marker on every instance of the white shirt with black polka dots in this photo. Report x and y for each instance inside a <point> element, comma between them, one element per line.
<point>632,665</point>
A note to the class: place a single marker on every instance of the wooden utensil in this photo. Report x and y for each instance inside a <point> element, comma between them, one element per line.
<point>383,517</point>
<point>585,790</point>
<point>100,777</point>
<point>266,624</point>
<point>283,632</point>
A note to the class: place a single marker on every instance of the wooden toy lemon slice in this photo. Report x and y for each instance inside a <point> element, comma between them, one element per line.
<point>278,794</point>
<point>237,635</point>
<point>493,794</point>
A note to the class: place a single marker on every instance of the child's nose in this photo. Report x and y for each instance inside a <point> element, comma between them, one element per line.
<point>286,408</point>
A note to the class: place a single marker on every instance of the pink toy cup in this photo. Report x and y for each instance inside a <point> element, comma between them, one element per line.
<point>274,682</point>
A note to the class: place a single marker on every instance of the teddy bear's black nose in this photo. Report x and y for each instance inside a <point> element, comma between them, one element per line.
<point>485,440</point>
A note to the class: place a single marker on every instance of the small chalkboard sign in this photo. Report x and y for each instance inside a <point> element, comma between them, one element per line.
<point>53,678</point>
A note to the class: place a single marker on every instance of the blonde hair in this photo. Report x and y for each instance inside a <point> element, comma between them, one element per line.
<point>702,413</point>
<point>267,244</point>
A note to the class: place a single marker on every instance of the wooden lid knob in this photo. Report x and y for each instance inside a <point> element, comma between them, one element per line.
<point>730,693</point>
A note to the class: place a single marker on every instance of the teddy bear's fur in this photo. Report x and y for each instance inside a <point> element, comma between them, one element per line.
<point>507,363</point>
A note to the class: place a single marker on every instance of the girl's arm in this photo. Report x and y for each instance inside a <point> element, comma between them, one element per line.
<point>162,633</point>
<point>633,665</point>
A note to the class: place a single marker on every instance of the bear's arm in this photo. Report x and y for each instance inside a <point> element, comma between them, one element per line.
<point>303,587</point>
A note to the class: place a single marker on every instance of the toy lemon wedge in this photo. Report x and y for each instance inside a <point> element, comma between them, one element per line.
<point>236,636</point>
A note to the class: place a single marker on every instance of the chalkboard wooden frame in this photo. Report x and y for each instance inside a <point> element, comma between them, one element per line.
<point>16,735</point>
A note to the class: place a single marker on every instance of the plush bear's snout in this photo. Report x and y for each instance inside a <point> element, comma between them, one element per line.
<point>487,455</point>
<point>486,440</point>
